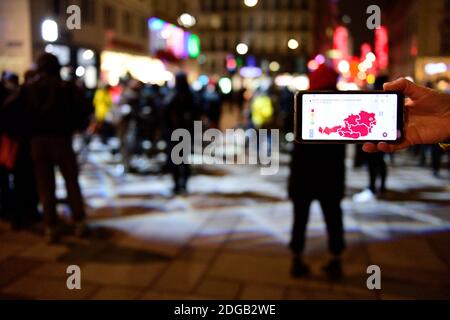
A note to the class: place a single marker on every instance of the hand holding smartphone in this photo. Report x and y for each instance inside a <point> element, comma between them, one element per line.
<point>349,116</point>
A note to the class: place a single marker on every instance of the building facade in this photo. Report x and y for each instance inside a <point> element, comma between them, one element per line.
<point>419,33</point>
<point>265,28</point>
<point>116,25</point>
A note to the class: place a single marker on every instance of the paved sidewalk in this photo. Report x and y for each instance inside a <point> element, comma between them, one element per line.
<point>227,240</point>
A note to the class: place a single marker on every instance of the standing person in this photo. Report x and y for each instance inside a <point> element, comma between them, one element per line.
<point>130,103</point>
<point>318,173</point>
<point>51,111</point>
<point>212,101</point>
<point>286,113</point>
<point>181,112</point>
<point>7,89</point>
<point>376,164</point>
<point>23,196</point>
<point>103,105</point>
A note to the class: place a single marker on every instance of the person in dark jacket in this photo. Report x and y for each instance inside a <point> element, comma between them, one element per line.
<point>181,112</point>
<point>376,163</point>
<point>49,111</point>
<point>5,186</point>
<point>22,197</point>
<point>318,173</point>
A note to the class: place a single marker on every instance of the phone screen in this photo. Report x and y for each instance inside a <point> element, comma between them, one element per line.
<point>349,117</point>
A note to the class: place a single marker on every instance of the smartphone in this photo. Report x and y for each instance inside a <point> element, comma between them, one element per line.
<point>349,116</point>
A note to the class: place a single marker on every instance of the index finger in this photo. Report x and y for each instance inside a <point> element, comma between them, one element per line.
<point>409,88</point>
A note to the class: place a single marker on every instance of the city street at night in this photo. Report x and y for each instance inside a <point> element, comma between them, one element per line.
<point>224,159</point>
<point>228,239</point>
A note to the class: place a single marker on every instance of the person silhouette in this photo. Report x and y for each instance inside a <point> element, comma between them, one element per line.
<point>318,173</point>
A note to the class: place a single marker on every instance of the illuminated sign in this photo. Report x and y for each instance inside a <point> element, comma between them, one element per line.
<point>116,65</point>
<point>194,46</point>
<point>340,41</point>
<point>382,47</point>
<point>365,50</point>
<point>251,72</point>
<point>171,41</point>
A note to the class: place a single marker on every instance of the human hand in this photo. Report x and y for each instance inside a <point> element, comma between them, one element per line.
<point>427,117</point>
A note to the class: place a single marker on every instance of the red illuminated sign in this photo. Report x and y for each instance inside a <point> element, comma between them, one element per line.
<point>365,49</point>
<point>382,47</point>
<point>340,41</point>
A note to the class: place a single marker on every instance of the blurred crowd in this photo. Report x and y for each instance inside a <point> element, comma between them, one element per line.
<point>39,117</point>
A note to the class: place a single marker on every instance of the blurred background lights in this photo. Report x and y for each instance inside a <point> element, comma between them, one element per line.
<point>435,68</point>
<point>186,20</point>
<point>231,63</point>
<point>242,48</point>
<point>301,82</point>
<point>49,30</point>
<point>274,66</point>
<point>225,85</point>
<point>320,59</point>
<point>250,72</point>
<point>370,79</point>
<point>250,3</point>
<point>362,67</point>
<point>290,137</point>
<point>293,44</point>
<point>88,54</point>
<point>203,79</point>
<point>194,46</point>
<point>156,24</point>
<point>344,66</point>
<point>370,57</point>
<point>80,71</point>
<point>346,19</point>
<point>313,65</point>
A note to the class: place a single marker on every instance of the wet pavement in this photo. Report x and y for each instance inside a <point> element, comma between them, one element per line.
<point>227,239</point>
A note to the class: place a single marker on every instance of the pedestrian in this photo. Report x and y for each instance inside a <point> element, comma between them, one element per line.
<point>318,173</point>
<point>22,193</point>
<point>181,112</point>
<point>49,111</point>
<point>130,103</point>
<point>212,105</point>
<point>376,165</point>
<point>5,173</point>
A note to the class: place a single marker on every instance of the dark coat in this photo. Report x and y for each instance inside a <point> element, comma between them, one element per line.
<point>47,106</point>
<point>181,111</point>
<point>317,171</point>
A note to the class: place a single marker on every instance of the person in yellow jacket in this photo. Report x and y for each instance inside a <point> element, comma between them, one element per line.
<point>103,105</point>
<point>261,110</point>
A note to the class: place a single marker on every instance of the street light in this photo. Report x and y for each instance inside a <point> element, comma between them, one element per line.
<point>274,66</point>
<point>186,20</point>
<point>49,30</point>
<point>250,3</point>
<point>242,48</point>
<point>293,44</point>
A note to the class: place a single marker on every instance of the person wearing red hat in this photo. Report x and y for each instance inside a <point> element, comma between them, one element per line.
<point>318,173</point>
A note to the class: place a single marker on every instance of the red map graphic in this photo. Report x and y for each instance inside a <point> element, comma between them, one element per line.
<point>356,126</point>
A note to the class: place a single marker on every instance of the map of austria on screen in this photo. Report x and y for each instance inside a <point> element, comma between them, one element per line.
<point>349,117</point>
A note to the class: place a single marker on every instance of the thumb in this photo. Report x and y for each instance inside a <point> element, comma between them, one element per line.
<point>409,89</point>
